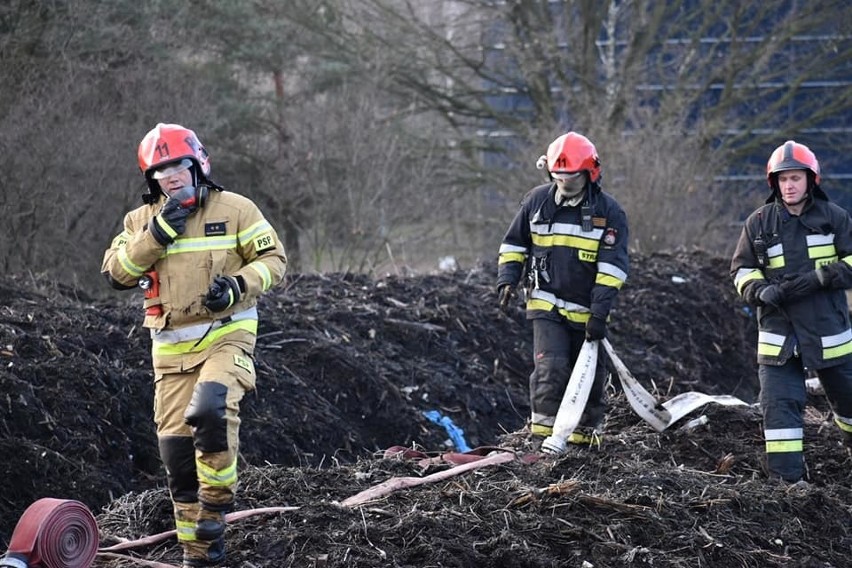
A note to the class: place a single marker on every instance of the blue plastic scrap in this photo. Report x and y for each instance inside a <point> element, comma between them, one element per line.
<point>456,434</point>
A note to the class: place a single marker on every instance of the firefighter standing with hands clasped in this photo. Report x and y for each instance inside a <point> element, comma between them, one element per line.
<point>569,239</point>
<point>793,261</point>
<point>203,255</point>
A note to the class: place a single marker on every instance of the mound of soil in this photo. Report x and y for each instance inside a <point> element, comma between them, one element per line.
<point>350,366</point>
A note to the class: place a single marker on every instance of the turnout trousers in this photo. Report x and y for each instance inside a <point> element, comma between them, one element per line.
<point>556,346</point>
<point>782,403</point>
<point>197,418</point>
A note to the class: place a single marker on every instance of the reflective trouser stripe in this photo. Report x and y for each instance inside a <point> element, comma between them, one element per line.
<point>217,478</point>
<point>185,530</point>
<point>782,402</point>
<point>843,424</point>
<point>540,430</point>
<point>784,446</point>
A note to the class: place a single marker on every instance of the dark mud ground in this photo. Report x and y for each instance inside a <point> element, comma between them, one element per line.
<point>347,367</point>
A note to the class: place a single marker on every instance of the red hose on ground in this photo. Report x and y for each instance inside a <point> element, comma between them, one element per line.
<point>53,533</point>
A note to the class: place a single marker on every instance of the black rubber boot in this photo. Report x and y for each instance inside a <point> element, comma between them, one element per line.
<point>204,553</point>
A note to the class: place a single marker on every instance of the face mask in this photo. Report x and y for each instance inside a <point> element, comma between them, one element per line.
<point>570,186</point>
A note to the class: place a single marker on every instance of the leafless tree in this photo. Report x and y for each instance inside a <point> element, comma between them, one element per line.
<point>698,89</point>
<point>380,134</point>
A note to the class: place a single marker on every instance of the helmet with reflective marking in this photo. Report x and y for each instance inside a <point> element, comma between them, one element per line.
<point>571,153</point>
<point>167,143</point>
<point>791,156</point>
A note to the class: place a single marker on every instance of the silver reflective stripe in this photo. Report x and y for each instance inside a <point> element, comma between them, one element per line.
<point>543,419</point>
<point>13,563</point>
<point>512,248</point>
<point>835,340</point>
<point>612,270</point>
<point>784,434</point>
<point>770,338</point>
<point>197,331</point>
<point>817,240</point>
<point>566,229</point>
<point>558,302</point>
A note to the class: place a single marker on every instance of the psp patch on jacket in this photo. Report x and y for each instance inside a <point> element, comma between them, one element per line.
<point>264,243</point>
<point>610,237</point>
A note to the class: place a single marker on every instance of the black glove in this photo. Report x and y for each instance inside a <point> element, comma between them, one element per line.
<point>223,293</point>
<point>506,292</point>
<point>595,328</point>
<point>771,295</point>
<point>833,275</point>
<point>171,221</point>
<point>751,294</point>
<point>798,286</point>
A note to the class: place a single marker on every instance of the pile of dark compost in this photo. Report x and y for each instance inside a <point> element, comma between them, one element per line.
<point>348,366</point>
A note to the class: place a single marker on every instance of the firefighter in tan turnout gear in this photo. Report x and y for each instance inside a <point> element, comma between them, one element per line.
<point>793,261</point>
<point>203,255</point>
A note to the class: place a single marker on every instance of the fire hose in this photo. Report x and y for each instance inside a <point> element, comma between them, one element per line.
<point>62,533</point>
<point>53,533</point>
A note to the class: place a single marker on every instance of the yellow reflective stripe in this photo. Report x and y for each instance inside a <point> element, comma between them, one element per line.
<point>747,276</point>
<point>199,330</point>
<point>185,530</point>
<point>511,257</point>
<point>262,271</point>
<point>131,268</point>
<point>540,430</point>
<point>768,349</point>
<point>822,251</point>
<point>837,351</point>
<point>544,305</point>
<point>162,224</point>
<point>836,345</point>
<point>248,234</point>
<point>783,446</point>
<point>566,241</point>
<point>539,305</point>
<point>607,280</point>
<point>770,344</point>
<point>217,477</point>
<point>843,425</point>
<point>777,262</point>
<point>194,346</point>
<point>219,242</point>
<point>580,438</point>
<point>847,260</point>
<point>821,246</point>
<point>612,270</point>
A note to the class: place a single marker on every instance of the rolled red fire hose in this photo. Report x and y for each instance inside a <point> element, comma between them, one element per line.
<point>53,533</point>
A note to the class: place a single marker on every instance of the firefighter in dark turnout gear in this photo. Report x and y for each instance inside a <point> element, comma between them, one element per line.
<point>569,241</point>
<point>203,256</point>
<point>793,261</point>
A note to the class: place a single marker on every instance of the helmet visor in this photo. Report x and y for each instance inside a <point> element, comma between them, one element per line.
<point>565,176</point>
<point>171,169</point>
